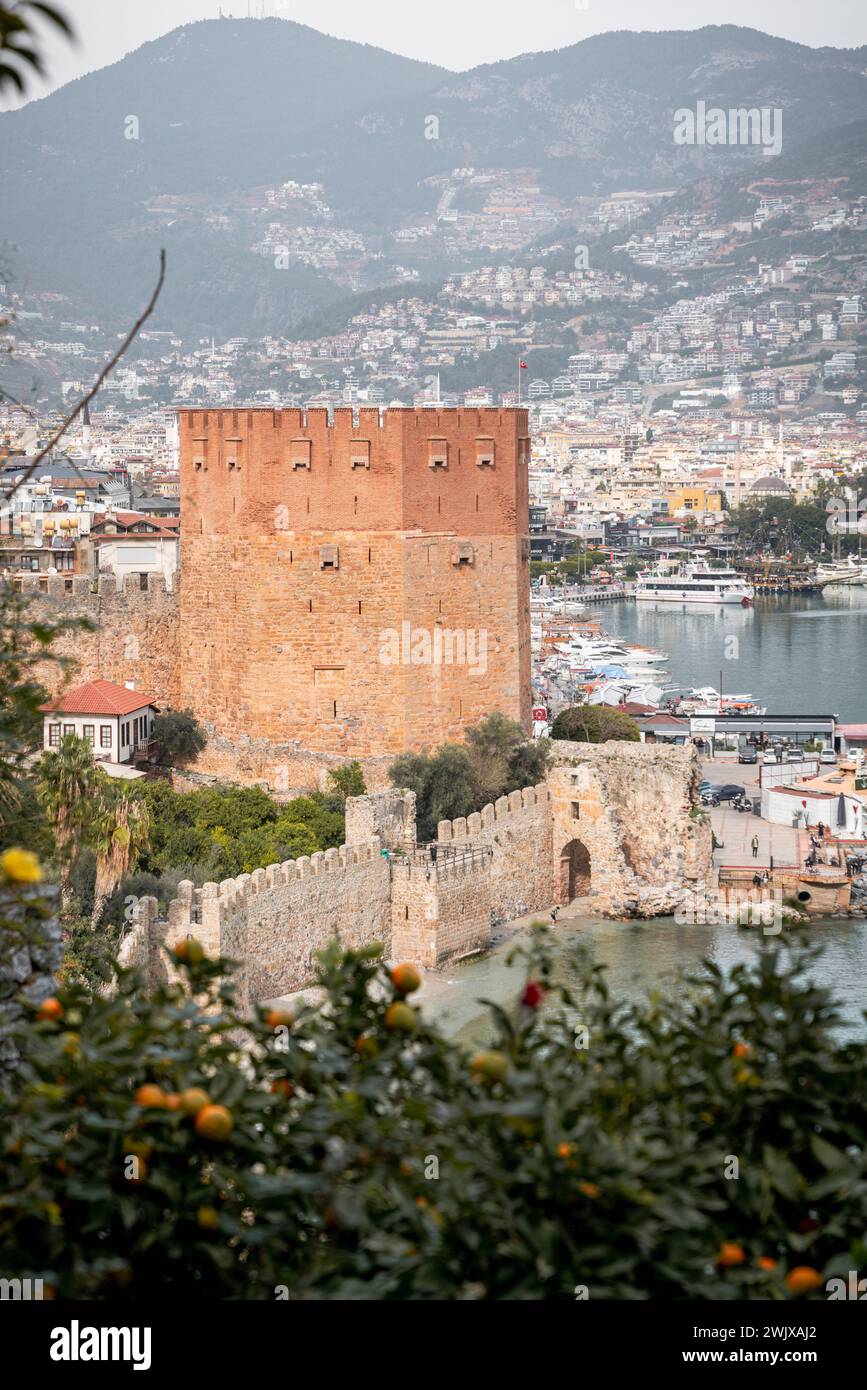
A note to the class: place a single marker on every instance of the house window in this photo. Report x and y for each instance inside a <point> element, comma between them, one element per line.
<point>576,810</point>
<point>105,735</point>
<point>90,734</point>
<point>68,729</point>
<point>54,735</point>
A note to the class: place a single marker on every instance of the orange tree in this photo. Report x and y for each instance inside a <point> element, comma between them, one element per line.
<point>162,1146</point>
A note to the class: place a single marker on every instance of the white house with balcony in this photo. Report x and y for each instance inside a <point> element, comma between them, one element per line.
<point>113,719</point>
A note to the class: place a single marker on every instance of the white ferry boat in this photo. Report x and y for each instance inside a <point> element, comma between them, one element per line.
<point>696,583</point>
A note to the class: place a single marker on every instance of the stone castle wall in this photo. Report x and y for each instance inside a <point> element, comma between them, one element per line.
<point>615,825</point>
<point>517,832</point>
<point>633,808</point>
<point>441,908</point>
<point>352,585</point>
<point>134,637</point>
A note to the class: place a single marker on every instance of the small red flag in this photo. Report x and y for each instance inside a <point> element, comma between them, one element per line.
<point>523,366</point>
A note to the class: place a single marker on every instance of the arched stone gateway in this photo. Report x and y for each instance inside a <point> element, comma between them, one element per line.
<point>574,871</point>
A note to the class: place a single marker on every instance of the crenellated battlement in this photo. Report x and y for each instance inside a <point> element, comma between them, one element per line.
<point>500,813</point>
<point>339,420</point>
<point>79,588</point>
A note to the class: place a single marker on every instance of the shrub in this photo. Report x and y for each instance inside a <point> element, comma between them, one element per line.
<point>180,736</point>
<point>594,724</point>
<point>370,1158</point>
<point>458,779</point>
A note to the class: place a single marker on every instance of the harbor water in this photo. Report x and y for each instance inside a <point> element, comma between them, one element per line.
<point>794,654</point>
<point>640,957</point>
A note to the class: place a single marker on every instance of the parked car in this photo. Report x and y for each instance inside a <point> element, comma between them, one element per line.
<point>748,755</point>
<point>728,791</point>
<point>828,758</point>
<point>769,757</point>
<point>794,755</point>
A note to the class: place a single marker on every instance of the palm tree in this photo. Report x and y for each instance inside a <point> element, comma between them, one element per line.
<point>121,832</point>
<point>67,788</point>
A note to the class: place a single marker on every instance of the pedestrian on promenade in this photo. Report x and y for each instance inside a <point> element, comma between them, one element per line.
<point>554,913</point>
<point>755,846</point>
<point>821,829</point>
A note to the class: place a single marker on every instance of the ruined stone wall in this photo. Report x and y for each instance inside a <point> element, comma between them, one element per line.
<point>634,809</point>
<point>390,815</point>
<point>517,830</point>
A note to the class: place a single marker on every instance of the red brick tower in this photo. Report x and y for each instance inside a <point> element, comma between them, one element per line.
<point>357,588</point>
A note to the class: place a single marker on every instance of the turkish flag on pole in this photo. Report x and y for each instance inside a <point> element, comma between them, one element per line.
<point>523,366</point>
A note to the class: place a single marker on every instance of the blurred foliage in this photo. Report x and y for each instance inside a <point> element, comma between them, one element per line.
<point>365,1161</point>
<point>19,50</point>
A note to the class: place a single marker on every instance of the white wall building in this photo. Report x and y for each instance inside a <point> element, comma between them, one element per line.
<point>115,721</point>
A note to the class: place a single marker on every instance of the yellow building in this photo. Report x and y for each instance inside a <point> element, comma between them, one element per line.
<point>695,499</point>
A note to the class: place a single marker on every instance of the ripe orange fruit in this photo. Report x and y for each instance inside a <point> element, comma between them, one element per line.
<point>208,1218</point>
<point>194,1099</point>
<point>406,978</point>
<point>589,1189</point>
<point>366,1045</point>
<point>730,1254</point>
<point>282,1087</point>
<point>741,1049</point>
<point>765,1262</point>
<point>400,1018</point>
<point>803,1279</point>
<point>188,950</point>
<point>50,1009</point>
<point>151,1096</point>
<point>214,1122</point>
<point>491,1066</point>
<point>174,1100</point>
<point>278,1018</point>
<point>564,1150</point>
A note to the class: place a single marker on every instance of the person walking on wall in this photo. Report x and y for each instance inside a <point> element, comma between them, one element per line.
<point>755,846</point>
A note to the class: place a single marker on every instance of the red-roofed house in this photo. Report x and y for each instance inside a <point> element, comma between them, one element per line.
<point>115,721</point>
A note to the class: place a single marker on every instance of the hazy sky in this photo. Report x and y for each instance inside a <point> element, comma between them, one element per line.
<point>455,33</point>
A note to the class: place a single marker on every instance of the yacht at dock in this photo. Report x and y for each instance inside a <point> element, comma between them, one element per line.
<point>694,583</point>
